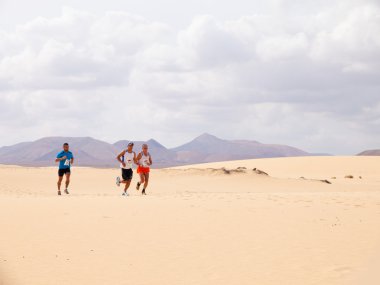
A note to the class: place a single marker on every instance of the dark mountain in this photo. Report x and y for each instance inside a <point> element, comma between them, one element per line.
<point>91,152</point>
<point>42,152</point>
<point>207,148</point>
<point>371,152</point>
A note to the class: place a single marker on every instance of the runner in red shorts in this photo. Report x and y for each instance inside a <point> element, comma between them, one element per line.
<point>144,161</point>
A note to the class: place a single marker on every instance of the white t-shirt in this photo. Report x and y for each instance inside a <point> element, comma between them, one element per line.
<point>144,160</point>
<point>127,159</point>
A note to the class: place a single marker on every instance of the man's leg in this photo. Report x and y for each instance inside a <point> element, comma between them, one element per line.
<point>146,178</point>
<point>127,183</point>
<point>59,184</point>
<point>126,186</point>
<point>127,178</point>
<point>142,180</point>
<point>67,182</point>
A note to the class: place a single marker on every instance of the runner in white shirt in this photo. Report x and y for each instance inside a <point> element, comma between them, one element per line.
<point>126,158</point>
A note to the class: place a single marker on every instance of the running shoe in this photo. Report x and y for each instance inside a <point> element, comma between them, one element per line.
<point>59,192</point>
<point>143,192</point>
<point>66,191</point>
<point>125,194</point>
<point>118,181</point>
<point>138,185</point>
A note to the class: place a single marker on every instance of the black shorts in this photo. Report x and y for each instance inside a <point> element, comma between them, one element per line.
<point>126,174</point>
<point>63,171</point>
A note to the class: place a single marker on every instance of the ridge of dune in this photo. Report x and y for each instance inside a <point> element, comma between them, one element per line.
<point>299,166</point>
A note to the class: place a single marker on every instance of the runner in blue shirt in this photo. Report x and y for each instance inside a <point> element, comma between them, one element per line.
<point>65,159</point>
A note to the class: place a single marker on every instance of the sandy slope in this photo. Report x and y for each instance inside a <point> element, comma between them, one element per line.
<point>198,225</point>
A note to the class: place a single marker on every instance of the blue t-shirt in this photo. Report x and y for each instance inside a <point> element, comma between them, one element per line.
<point>64,164</point>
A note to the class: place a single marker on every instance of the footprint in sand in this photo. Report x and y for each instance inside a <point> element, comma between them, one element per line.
<point>343,270</point>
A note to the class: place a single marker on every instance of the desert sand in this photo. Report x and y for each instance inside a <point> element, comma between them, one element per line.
<point>218,223</point>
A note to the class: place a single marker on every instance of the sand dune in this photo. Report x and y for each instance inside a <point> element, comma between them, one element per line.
<point>218,223</point>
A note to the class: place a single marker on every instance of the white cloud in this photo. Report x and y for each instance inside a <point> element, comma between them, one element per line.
<point>282,47</point>
<point>306,78</point>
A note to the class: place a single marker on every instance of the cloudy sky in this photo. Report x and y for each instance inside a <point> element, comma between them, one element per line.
<point>303,73</point>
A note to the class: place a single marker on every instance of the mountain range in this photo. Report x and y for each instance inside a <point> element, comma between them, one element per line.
<point>92,152</point>
<point>371,152</point>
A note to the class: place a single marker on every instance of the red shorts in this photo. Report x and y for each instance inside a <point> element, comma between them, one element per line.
<point>142,169</point>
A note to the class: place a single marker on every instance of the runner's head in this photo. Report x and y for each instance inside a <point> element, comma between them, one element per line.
<point>66,147</point>
<point>130,146</point>
<point>145,148</point>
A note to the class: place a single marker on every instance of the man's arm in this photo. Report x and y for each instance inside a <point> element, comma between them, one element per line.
<point>138,158</point>
<point>150,160</point>
<point>119,157</point>
<point>60,158</point>
<point>72,160</point>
